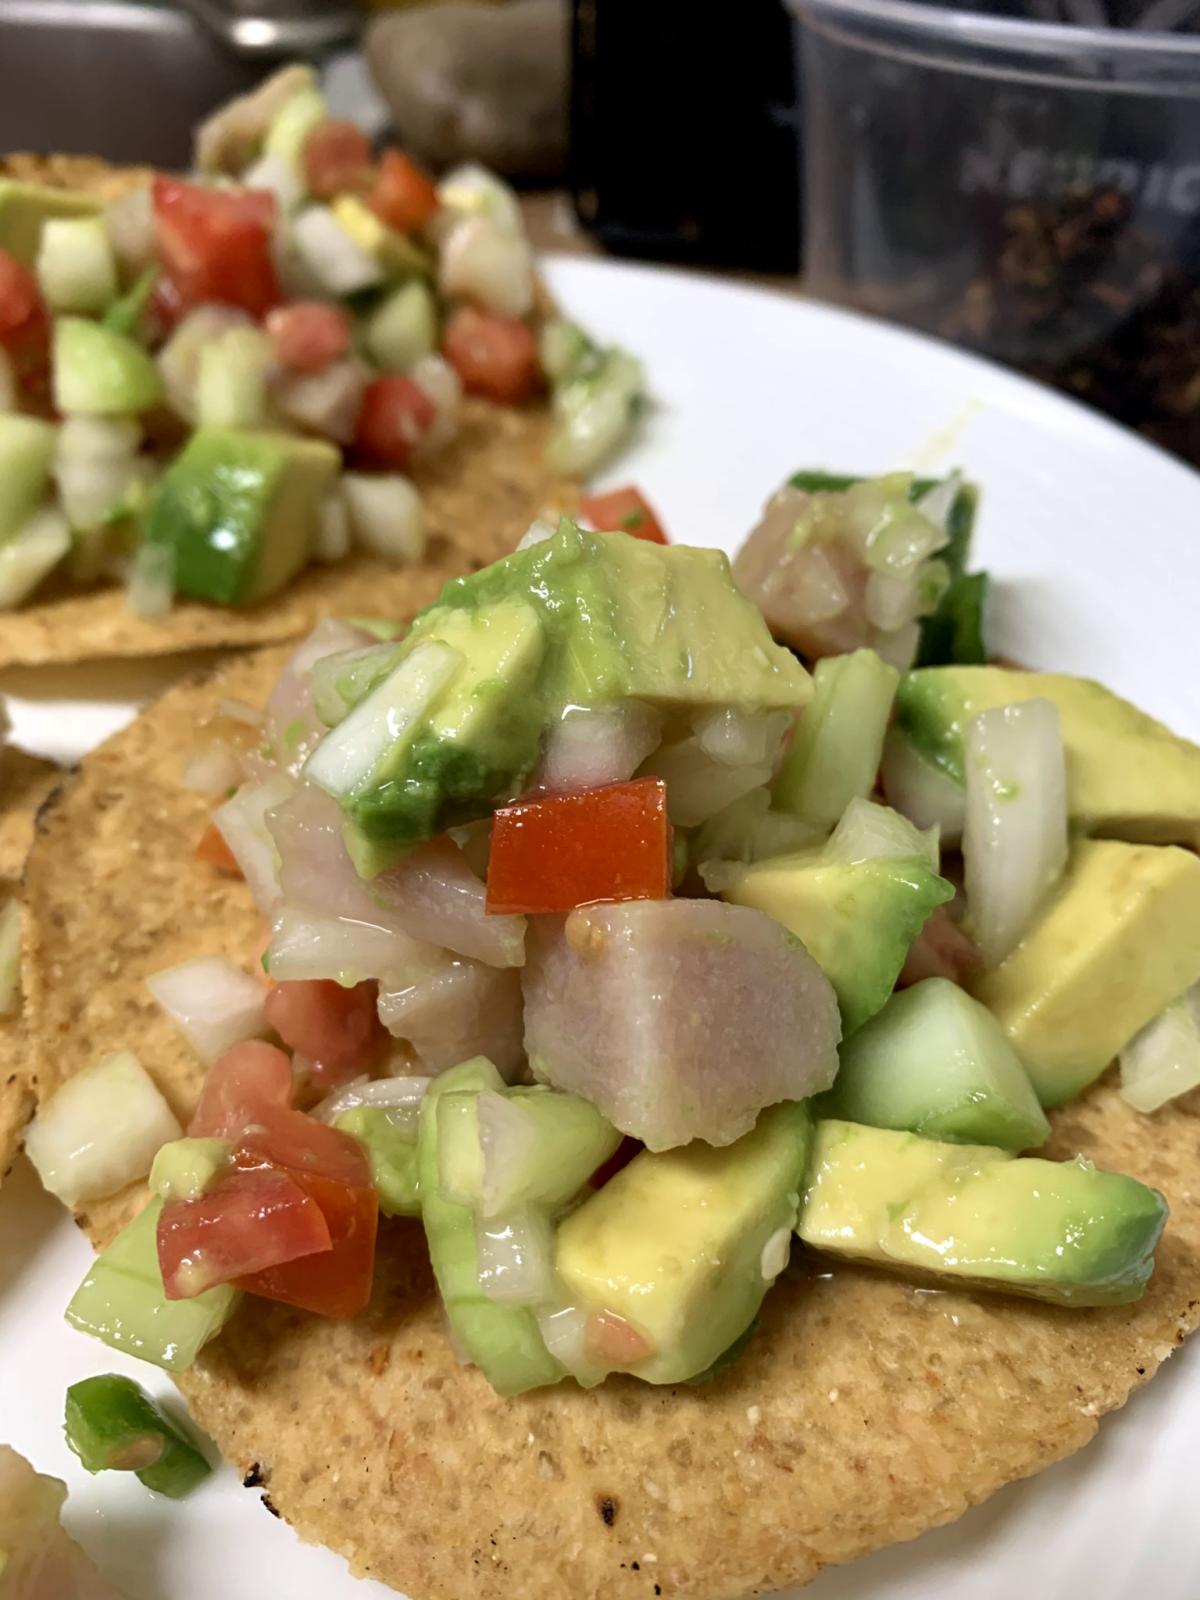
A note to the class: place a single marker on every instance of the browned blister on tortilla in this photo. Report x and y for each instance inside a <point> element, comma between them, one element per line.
<point>864,1411</point>
<point>480,494</point>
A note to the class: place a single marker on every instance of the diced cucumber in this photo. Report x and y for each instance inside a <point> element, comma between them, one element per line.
<point>403,327</point>
<point>936,1062</point>
<point>596,411</point>
<point>341,680</point>
<point>562,349</point>
<point>76,267</point>
<point>393,1157</point>
<point>292,124</point>
<point>867,831</point>
<point>122,1302</point>
<point>231,380</point>
<point>26,453</point>
<point>335,261</point>
<point>835,754</point>
<point>32,555</point>
<point>503,1341</point>
<point>501,1151</point>
<point>99,373</point>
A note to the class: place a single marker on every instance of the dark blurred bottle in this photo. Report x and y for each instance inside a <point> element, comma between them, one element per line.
<point>684,131</point>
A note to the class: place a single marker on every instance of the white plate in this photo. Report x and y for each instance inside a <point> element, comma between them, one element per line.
<point>1091,536</point>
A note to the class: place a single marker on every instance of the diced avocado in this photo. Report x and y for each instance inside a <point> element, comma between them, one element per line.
<point>936,1062</point>
<point>26,454</point>
<point>76,265</point>
<point>835,754</point>
<point>522,1147</point>
<point>239,512</point>
<point>581,619</point>
<point>856,919</point>
<point>25,208</point>
<point>684,1244</point>
<point>1119,941</point>
<point>394,252</point>
<point>1128,777</point>
<point>393,1156</point>
<point>504,1342</point>
<point>99,373</point>
<point>122,1301</point>
<point>292,124</point>
<point>1054,1230</point>
<point>185,1169</point>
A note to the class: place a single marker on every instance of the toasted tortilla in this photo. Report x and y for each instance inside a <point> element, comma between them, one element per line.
<point>480,494</point>
<point>864,1412</point>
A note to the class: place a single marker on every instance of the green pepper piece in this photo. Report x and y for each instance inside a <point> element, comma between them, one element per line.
<point>113,1425</point>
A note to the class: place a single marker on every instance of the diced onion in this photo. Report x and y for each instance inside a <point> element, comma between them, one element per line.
<point>332,542</point>
<point>1015,833</point>
<point>564,1331</point>
<point>241,822</point>
<point>586,748</point>
<point>472,190</point>
<point>151,586</point>
<point>538,531</point>
<point>326,402</point>
<point>308,946</point>
<point>937,503</point>
<point>276,176</point>
<point>179,358</point>
<point>400,1097</point>
<point>892,602</point>
<point>902,540</point>
<point>100,1131</point>
<point>386,515</point>
<point>898,648</point>
<point>216,769</point>
<point>516,1263</point>
<point>443,385</point>
<point>483,263</point>
<point>697,786</point>
<point>130,221</point>
<point>919,790</point>
<point>507,1144</point>
<point>10,957</point>
<point>214,1004</point>
<point>95,465</point>
<point>338,263</point>
<point>1163,1060</point>
<point>32,554</point>
<point>868,831</point>
<point>740,738</point>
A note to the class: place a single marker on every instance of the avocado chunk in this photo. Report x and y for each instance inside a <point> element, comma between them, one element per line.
<point>122,1302</point>
<point>1052,1230</point>
<point>392,1152</point>
<point>186,1169</point>
<point>857,919</point>
<point>238,512</point>
<point>684,1244</point>
<point>26,455</point>
<point>1128,777</point>
<point>581,619</point>
<point>1118,942</point>
<point>25,208</point>
<point>936,1062</point>
<point>835,754</point>
<point>503,1341</point>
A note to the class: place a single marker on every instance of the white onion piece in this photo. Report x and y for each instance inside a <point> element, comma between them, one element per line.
<point>214,1004</point>
<point>400,1096</point>
<point>214,770</point>
<point>95,465</point>
<point>472,191</point>
<point>326,402</point>
<point>32,554</point>
<point>919,790</point>
<point>741,738</point>
<point>586,748</point>
<point>332,543</point>
<point>293,728</point>
<point>697,786</point>
<point>9,390</point>
<point>1015,833</point>
<point>241,822</point>
<point>901,541</point>
<point>516,1258</point>
<point>10,957</point>
<point>937,503</point>
<point>434,896</point>
<point>179,358</point>
<point>100,1131</point>
<point>893,602</point>
<point>1162,1061</point>
<point>276,176</point>
<point>482,263</point>
<point>508,1139</point>
<point>386,515</point>
<point>130,223</point>
<point>337,262</point>
<point>443,385</point>
<point>564,1331</point>
<point>538,532</point>
<point>304,945</point>
<point>899,648</point>
<point>868,832</point>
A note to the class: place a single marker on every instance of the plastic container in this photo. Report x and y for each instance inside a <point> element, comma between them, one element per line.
<point>1030,190</point>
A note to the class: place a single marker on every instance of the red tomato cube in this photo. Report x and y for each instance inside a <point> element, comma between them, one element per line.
<point>624,511</point>
<point>215,245</point>
<point>494,356</point>
<point>403,195</point>
<point>336,159</point>
<point>247,1081</point>
<point>396,415</point>
<point>253,1221</point>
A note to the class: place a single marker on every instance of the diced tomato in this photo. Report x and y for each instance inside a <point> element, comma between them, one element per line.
<point>247,1081</point>
<point>396,415</point>
<point>332,1169</point>
<point>494,356</point>
<point>625,511</point>
<point>402,195</point>
<point>215,244</point>
<point>214,852</point>
<point>612,1341</point>
<point>253,1221</point>
<point>308,335</point>
<point>337,1029</point>
<point>24,322</point>
<point>336,159</point>
<point>611,843</point>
